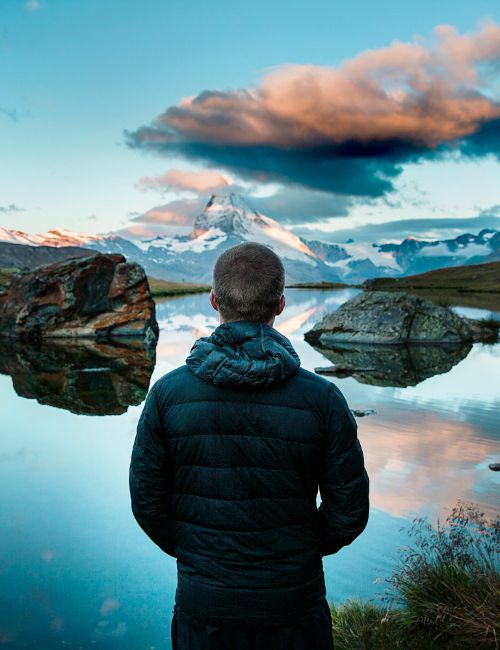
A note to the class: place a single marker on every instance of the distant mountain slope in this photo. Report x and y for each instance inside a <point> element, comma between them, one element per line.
<point>227,220</point>
<point>418,256</point>
<point>26,257</point>
<point>474,277</point>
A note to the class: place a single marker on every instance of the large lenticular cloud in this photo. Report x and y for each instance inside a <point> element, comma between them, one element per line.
<point>348,129</point>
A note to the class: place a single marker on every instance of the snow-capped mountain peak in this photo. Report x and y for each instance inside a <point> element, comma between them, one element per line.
<point>230,214</point>
<point>228,220</point>
<point>227,212</point>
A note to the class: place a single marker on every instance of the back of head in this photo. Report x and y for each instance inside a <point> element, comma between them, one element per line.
<point>248,282</point>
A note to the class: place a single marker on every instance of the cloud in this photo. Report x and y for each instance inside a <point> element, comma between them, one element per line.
<point>14,114</point>
<point>348,129</point>
<point>493,211</point>
<point>11,113</point>
<point>200,182</point>
<point>175,217</point>
<point>8,209</point>
<point>293,206</point>
<point>33,5</point>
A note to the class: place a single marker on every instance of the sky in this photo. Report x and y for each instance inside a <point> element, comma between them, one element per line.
<point>379,119</point>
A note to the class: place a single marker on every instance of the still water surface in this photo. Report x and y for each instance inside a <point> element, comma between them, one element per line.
<point>76,571</point>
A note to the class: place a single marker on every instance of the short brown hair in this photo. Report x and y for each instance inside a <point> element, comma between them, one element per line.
<point>248,282</point>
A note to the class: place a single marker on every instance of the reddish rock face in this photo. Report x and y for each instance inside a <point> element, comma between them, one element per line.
<point>95,296</point>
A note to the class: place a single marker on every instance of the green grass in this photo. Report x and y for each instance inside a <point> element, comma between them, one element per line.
<point>367,626</point>
<point>475,278</point>
<point>5,276</point>
<point>445,592</point>
<point>320,285</point>
<point>477,285</point>
<point>160,288</point>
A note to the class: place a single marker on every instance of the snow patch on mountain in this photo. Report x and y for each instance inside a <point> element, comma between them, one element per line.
<point>364,251</point>
<point>207,240</point>
<point>228,220</point>
<point>231,214</point>
<point>60,237</point>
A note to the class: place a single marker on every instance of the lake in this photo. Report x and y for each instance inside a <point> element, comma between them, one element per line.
<point>77,571</point>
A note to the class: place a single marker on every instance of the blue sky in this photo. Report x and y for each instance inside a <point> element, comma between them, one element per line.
<point>78,75</point>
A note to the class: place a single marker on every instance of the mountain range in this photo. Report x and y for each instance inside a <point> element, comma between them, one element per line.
<point>228,220</point>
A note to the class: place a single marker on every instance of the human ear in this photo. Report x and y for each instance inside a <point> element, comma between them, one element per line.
<point>213,300</point>
<point>281,305</point>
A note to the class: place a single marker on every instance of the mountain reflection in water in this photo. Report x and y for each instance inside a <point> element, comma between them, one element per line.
<point>83,376</point>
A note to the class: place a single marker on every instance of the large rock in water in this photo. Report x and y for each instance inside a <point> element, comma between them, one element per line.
<point>395,318</point>
<point>95,296</point>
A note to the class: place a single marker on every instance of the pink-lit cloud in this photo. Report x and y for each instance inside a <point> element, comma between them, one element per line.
<point>200,182</point>
<point>349,128</point>
<point>175,217</point>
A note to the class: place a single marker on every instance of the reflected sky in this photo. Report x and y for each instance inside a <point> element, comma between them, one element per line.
<point>76,569</point>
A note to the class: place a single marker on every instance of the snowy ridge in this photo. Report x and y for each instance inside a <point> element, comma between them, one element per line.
<point>230,214</point>
<point>60,237</point>
<point>228,220</point>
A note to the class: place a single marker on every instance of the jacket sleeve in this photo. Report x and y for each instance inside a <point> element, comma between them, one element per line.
<point>150,476</point>
<point>344,483</point>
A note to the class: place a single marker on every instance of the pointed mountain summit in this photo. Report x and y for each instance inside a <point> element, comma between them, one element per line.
<point>228,220</point>
<point>229,214</point>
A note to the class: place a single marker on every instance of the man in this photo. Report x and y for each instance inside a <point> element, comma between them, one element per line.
<point>229,454</point>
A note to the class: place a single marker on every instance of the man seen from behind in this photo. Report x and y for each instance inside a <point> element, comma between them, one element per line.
<point>231,449</point>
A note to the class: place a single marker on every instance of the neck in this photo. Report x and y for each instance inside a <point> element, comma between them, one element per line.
<point>269,322</point>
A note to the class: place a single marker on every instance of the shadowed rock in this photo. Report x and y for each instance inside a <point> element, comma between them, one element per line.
<point>94,296</point>
<point>386,317</point>
<point>393,365</point>
<point>82,376</point>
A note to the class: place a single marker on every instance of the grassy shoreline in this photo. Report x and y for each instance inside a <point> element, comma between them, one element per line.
<point>473,278</point>
<point>321,285</point>
<point>165,288</point>
<point>445,592</point>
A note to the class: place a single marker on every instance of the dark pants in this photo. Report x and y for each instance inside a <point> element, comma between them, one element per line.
<point>311,632</point>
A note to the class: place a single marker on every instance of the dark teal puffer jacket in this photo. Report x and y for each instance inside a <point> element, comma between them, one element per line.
<point>229,453</point>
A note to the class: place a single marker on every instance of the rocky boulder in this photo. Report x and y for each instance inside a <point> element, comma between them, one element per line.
<point>94,296</point>
<point>390,317</point>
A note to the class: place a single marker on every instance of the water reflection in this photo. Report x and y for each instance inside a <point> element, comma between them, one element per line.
<point>393,365</point>
<point>82,376</point>
<point>76,569</point>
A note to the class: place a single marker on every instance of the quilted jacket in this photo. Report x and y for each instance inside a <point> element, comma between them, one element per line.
<point>230,451</point>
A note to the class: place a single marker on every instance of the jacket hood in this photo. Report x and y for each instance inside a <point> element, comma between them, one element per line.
<point>243,353</point>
